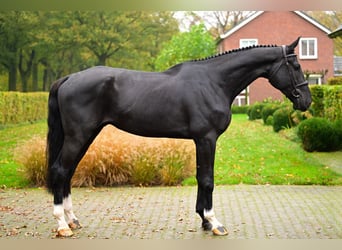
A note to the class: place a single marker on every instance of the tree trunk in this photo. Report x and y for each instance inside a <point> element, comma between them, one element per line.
<point>25,67</point>
<point>12,77</point>
<point>47,79</point>
<point>102,59</point>
<point>35,76</point>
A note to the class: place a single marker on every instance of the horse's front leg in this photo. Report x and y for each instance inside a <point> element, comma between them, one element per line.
<point>65,216</point>
<point>205,155</point>
<point>72,219</point>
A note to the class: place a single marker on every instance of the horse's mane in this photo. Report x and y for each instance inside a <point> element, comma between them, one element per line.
<point>232,51</point>
<point>173,69</point>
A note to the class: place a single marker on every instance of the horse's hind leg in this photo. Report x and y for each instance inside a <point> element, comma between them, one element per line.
<point>60,179</point>
<point>73,150</point>
<point>65,226</point>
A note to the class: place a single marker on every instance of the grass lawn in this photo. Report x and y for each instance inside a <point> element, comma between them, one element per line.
<point>11,174</point>
<point>248,152</point>
<point>251,153</point>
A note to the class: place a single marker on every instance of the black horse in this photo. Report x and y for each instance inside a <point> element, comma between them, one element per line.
<point>191,100</point>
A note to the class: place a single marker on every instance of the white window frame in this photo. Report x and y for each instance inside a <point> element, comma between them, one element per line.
<point>249,41</point>
<point>307,56</point>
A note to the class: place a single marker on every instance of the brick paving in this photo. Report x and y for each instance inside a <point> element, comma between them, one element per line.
<point>249,212</point>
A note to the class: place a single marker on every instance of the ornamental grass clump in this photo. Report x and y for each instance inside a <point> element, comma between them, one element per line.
<point>117,158</point>
<point>31,155</point>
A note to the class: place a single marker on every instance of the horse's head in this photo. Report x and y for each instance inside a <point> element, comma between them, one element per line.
<point>287,76</point>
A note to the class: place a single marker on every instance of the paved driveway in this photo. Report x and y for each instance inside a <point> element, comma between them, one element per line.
<point>249,212</point>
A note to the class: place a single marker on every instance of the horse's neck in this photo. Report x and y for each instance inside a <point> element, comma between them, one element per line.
<point>240,69</point>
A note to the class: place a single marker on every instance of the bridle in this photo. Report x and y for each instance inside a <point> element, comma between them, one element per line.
<point>294,92</point>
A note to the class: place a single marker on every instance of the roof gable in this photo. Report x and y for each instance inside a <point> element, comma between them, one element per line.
<point>258,13</point>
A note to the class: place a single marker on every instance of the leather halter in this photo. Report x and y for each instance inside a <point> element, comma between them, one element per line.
<point>294,92</point>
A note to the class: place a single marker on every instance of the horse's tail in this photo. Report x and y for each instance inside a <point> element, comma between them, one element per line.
<point>55,136</point>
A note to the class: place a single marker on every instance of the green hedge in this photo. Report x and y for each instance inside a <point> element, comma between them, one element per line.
<point>317,96</point>
<point>254,111</point>
<point>17,107</point>
<point>327,101</point>
<point>282,118</point>
<point>335,80</point>
<point>333,102</point>
<point>239,109</point>
<point>268,111</point>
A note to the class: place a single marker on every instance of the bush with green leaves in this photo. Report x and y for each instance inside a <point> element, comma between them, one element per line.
<point>317,96</point>
<point>320,134</point>
<point>254,111</point>
<point>338,130</point>
<point>327,101</point>
<point>335,80</point>
<point>239,109</point>
<point>282,118</point>
<point>333,102</point>
<point>268,110</point>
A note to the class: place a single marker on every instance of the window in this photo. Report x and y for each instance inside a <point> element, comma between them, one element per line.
<point>248,42</point>
<point>308,48</point>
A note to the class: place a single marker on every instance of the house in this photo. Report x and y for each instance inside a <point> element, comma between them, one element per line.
<point>336,33</point>
<point>337,59</point>
<point>315,49</point>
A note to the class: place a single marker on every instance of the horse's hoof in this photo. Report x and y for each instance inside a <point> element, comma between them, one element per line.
<point>65,232</point>
<point>75,224</point>
<point>220,231</point>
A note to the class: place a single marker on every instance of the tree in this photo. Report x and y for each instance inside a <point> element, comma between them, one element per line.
<point>27,50</point>
<point>121,35</point>
<point>217,22</point>
<point>15,27</point>
<point>195,44</point>
<point>43,46</point>
<point>332,20</point>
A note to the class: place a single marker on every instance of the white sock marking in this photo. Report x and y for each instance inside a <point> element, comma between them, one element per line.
<point>58,212</point>
<point>67,205</point>
<point>210,216</point>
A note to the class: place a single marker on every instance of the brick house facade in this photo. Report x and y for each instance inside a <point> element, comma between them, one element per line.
<point>315,50</point>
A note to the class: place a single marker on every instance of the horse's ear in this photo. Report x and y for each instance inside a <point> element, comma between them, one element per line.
<point>293,45</point>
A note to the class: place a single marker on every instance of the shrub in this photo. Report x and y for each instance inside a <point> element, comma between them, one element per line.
<point>299,116</point>
<point>145,166</point>
<point>117,158</point>
<point>32,156</point>
<point>335,80</point>
<point>333,102</point>
<point>172,170</point>
<point>104,162</point>
<point>317,96</point>
<point>338,129</point>
<point>318,134</point>
<point>268,110</point>
<point>327,101</point>
<point>239,109</point>
<point>254,111</point>
<point>269,120</point>
<point>282,119</point>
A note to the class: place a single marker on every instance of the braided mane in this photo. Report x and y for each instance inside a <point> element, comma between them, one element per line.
<point>233,51</point>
